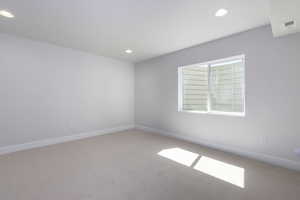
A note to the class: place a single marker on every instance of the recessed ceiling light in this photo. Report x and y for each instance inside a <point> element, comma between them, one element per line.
<point>221,12</point>
<point>128,51</point>
<point>7,14</point>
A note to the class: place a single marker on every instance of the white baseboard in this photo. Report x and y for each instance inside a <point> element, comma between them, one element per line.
<point>51,141</point>
<point>290,164</point>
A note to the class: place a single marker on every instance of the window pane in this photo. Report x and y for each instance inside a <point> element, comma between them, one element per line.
<point>195,88</point>
<point>227,87</point>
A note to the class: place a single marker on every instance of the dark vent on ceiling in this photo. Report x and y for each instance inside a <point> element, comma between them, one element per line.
<point>289,23</point>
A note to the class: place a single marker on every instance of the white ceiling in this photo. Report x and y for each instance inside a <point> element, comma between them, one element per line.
<point>149,27</point>
<point>283,11</point>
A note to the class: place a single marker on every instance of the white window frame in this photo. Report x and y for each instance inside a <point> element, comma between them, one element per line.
<point>209,63</point>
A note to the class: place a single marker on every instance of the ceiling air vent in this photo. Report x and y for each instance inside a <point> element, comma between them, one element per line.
<point>290,24</point>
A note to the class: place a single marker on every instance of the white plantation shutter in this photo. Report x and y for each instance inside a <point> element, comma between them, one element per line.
<point>195,88</point>
<point>227,87</point>
<point>214,87</point>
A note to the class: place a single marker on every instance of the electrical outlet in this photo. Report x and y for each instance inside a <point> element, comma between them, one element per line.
<point>297,152</point>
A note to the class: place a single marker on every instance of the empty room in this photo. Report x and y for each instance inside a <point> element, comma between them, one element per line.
<point>149,100</point>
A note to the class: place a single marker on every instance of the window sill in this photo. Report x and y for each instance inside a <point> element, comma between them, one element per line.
<point>236,114</point>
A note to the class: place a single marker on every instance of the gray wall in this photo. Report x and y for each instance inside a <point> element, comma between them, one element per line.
<point>271,126</point>
<point>48,91</point>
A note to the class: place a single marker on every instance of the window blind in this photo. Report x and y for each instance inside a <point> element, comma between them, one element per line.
<point>213,87</point>
<point>227,87</point>
<point>195,88</point>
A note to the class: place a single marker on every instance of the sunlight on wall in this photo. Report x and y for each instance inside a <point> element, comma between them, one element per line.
<point>179,155</point>
<point>220,170</point>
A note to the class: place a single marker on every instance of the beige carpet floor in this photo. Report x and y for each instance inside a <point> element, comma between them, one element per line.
<point>135,165</point>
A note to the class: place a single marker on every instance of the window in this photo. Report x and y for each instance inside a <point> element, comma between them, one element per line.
<point>216,87</point>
